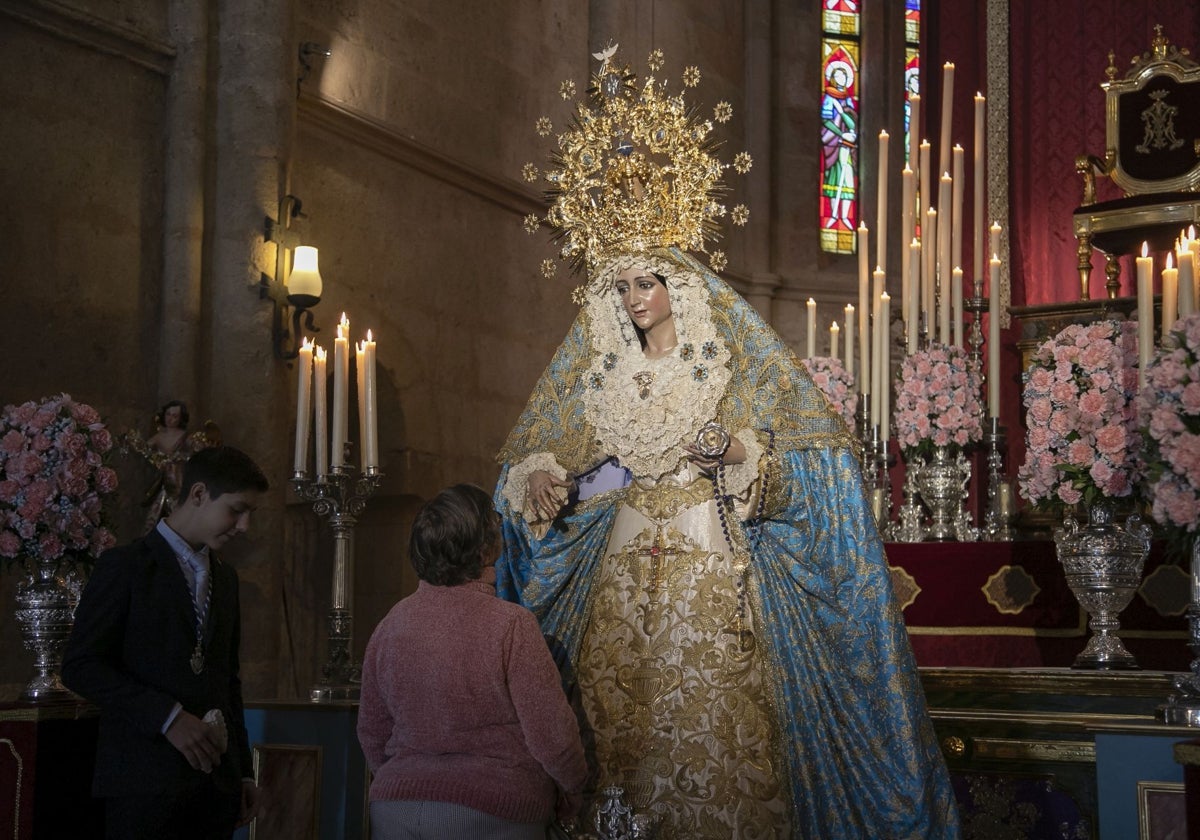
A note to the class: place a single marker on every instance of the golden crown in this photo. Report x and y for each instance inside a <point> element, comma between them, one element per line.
<point>635,170</point>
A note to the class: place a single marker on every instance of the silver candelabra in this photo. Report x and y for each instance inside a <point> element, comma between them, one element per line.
<point>341,496</point>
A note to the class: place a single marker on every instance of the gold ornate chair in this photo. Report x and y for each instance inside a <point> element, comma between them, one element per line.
<point>1152,140</point>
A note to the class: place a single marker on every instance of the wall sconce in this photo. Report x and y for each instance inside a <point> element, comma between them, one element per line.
<point>300,290</point>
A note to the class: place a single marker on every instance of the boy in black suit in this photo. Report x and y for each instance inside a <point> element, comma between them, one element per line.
<point>155,646</point>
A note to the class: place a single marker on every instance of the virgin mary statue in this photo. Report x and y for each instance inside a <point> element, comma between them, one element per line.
<point>684,513</point>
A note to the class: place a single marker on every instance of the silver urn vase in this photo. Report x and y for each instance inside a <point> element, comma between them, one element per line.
<point>45,611</point>
<point>1103,564</point>
<point>942,483</point>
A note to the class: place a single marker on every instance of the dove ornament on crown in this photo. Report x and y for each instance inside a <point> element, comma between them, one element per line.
<point>636,169</point>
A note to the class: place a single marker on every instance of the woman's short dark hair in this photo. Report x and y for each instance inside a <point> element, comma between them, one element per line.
<point>450,533</point>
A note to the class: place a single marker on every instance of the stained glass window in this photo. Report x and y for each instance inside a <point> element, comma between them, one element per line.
<point>912,66</point>
<point>840,24</point>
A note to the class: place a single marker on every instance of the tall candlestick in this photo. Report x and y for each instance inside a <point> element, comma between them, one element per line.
<point>885,366</point>
<point>956,304</point>
<point>979,187</point>
<point>929,273</point>
<point>947,111</point>
<point>812,329</point>
<point>881,202</point>
<point>303,407</point>
<point>849,322</point>
<point>341,383</point>
<point>1145,310</point>
<point>994,239</point>
<point>956,207</point>
<point>371,461</point>
<point>320,422</point>
<point>945,228</point>
<point>1187,277</point>
<point>1170,294</point>
<point>914,302</point>
<point>993,341</point>
<point>864,311</point>
<point>833,340</point>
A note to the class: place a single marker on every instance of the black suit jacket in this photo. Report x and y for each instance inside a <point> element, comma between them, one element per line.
<point>129,653</point>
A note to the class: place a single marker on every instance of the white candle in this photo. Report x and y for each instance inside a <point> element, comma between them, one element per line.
<point>924,176</point>
<point>1170,294</point>
<point>360,364</point>
<point>914,302</point>
<point>812,329</point>
<point>370,385</point>
<point>947,111</point>
<point>914,131</point>
<point>833,340</point>
<point>994,239</point>
<point>864,311</point>
<point>849,322</point>
<point>979,186</point>
<point>945,228</point>
<point>956,208</point>
<point>993,340</point>
<point>908,281</point>
<point>320,423</point>
<point>303,407</point>
<point>956,303</point>
<point>341,410</point>
<point>929,273</point>
<point>1145,310</point>
<point>881,202</point>
<point>876,356</point>
<point>1187,277</point>
<point>885,365</point>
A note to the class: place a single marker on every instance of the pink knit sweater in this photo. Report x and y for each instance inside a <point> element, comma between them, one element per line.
<point>461,702</point>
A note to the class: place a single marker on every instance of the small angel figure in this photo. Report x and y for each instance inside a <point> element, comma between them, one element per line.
<point>167,450</point>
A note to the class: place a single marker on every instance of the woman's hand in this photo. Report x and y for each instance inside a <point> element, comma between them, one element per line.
<point>546,494</point>
<point>735,454</point>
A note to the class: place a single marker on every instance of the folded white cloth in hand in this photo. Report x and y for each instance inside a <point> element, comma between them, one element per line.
<point>214,718</point>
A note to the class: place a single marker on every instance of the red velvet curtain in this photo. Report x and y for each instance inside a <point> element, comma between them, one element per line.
<point>1058,53</point>
<point>1057,56</point>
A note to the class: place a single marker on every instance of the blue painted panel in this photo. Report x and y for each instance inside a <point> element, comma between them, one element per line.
<point>1121,762</point>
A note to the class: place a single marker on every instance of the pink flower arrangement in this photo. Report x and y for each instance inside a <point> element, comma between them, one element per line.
<point>830,375</point>
<point>937,401</point>
<point>1082,442</point>
<point>1169,413</point>
<point>52,480</point>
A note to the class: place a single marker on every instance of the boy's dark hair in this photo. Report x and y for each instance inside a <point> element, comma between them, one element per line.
<point>222,469</point>
<point>450,534</point>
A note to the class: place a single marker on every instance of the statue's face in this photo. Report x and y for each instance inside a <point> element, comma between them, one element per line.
<point>172,417</point>
<point>646,300</point>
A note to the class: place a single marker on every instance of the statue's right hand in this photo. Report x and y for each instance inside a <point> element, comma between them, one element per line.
<point>545,494</point>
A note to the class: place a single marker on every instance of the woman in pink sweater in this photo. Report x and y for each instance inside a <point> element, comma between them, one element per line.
<point>463,719</point>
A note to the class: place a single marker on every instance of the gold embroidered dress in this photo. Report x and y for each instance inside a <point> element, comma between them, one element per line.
<point>742,668</point>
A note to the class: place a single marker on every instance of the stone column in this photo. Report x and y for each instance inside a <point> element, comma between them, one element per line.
<point>245,385</point>
<point>183,203</point>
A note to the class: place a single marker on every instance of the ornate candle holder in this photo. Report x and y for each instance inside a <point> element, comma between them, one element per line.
<point>997,521</point>
<point>863,428</point>
<point>909,526</point>
<point>341,496</point>
<point>1183,707</point>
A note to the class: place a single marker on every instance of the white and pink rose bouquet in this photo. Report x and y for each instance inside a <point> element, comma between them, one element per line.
<point>53,480</point>
<point>830,375</point>
<point>1082,443</point>
<point>1169,411</point>
<point>937,401</point>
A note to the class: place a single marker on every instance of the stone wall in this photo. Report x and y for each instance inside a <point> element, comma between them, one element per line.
<point>405,146</point>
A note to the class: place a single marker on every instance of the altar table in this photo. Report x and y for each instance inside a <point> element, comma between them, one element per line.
<point>1007,605</point>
